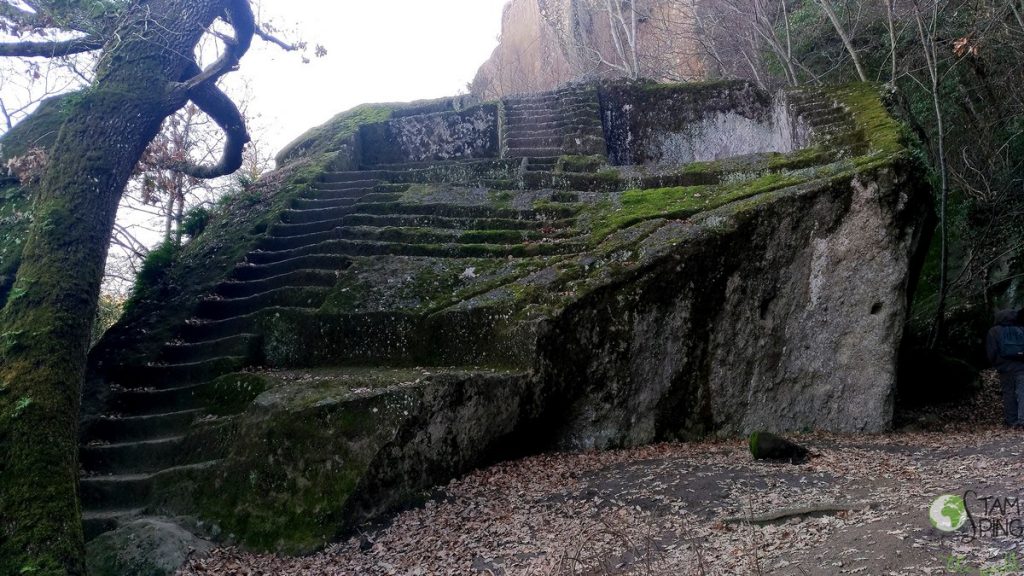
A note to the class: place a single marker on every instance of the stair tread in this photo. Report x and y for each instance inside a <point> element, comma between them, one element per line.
<point>150,442</point>
<point>110,513</point>
<point>116,478</point>
<point>140,417</point>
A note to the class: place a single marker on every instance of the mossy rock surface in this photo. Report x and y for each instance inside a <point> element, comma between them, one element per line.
<point>602,306</point>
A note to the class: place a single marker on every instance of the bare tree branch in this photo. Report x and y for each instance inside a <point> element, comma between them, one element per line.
<point>267,37</point>
<point>50,49</point>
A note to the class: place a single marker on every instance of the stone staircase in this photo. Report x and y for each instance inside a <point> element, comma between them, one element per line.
<point>543,127</point>
<point>344,218</point>
<point>832,126</point>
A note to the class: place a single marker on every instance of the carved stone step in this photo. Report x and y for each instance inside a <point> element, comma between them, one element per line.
<point>235,289</point>
<point>130,491</point>
<point>238,345</point>
<point>297,297</point>
<point>451,250</point>
<point>131,428</point>
<point>531,152</point>
<point>140,402</point>
<point>173,375</point>
<point>134,457</point>
<point>393,234</point>
<point>351,177</point>
<point>262,272</point>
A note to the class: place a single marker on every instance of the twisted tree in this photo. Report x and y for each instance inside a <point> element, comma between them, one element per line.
<point>145,71</point>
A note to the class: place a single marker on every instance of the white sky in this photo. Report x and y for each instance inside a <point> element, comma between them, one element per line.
<point>377,51</point>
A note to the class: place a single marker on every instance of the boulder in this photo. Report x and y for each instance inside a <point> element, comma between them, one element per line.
<point>145,547</point>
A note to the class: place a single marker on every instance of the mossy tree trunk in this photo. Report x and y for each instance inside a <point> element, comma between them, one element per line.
<point>144,76</point>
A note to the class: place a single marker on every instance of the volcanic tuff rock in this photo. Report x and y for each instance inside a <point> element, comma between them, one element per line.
<point>547,43</point>
<point>426,288</point>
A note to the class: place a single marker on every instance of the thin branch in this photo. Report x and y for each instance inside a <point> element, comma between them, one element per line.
<point>50,49</point>
<point>267,37</point>
<point>7,117</point>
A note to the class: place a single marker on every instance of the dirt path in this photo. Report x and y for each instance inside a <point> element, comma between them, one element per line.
<point>665,509</point>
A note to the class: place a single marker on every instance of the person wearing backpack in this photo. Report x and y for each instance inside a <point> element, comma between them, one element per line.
<point>1005,349</point>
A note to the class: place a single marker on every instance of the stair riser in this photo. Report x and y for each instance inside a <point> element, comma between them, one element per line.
<point>347,248</point>
<point>310,216</point>
<point>141,428</point>
<point>98,494</point>
<point>538,142</point>
<point>131,458</point>
<point>298,278</point>
<point>217,330</point>
<point>444,210</point>
<point>304,244</point>
<point>175,375</point>
<point>245,346</point>
<point>319,204</point>
<point>531,152</point>
<point>323,263</point>
<point>574,106</point>
<point>426,221</point>
<point>157,402</point>
<point>307,204</point>
<point>522,119</point>
<point>346,177</point>
<point>291,297</point>
<point>325,194</point>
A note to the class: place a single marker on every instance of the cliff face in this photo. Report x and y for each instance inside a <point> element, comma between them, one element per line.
<point>548,43</point>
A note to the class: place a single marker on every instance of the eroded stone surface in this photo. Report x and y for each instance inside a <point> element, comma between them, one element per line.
<point>561,300</point>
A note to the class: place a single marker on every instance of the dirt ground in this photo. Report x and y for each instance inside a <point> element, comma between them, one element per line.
<point>859,507</point>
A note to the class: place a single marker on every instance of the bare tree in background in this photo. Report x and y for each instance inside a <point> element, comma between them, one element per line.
<point>830,11</point>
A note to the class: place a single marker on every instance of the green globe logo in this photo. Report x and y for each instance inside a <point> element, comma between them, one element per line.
<point>948,513</point>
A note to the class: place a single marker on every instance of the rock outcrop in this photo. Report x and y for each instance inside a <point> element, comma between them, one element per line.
<point>546,44</point>
<point>601,266</point>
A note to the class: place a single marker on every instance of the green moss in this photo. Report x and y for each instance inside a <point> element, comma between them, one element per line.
<point>15,217</point>
<point>153,274</point>
<point>39,130</point>
<point>232,393</point>
<point>336,133</point>
<point>680,202</point>
<point>885,136</point>
<point>588,164</point>
<point>291,474</point>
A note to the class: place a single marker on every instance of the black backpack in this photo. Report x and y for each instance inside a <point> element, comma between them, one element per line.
<point>1011,342</point>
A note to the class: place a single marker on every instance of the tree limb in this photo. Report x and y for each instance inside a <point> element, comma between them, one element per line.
<point>244,23</point>
<point>218,106</point>
<point>267,37</point>
<point>50,49</point>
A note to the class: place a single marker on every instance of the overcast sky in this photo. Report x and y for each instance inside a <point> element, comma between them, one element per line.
<point>378,51</point>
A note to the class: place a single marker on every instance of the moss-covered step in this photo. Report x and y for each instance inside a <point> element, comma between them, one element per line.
<point>160,376</point>
<point>415,235</point>
<point>243,288</point>
<point>354,248</point>
<point>323,262</point>
<point>220,308</point>
<point>238,345</point>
